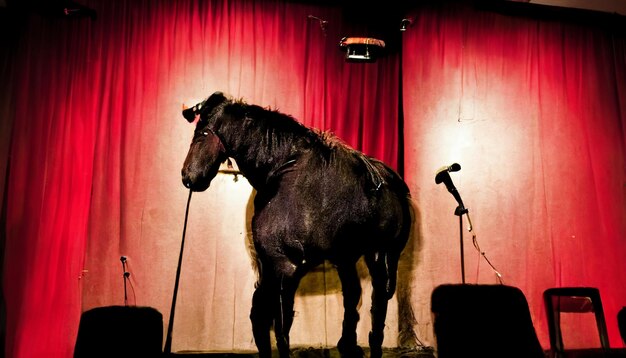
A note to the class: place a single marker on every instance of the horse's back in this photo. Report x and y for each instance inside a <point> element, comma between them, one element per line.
<point>337,206</point>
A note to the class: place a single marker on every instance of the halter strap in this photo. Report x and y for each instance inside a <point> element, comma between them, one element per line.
<point>208,130</point>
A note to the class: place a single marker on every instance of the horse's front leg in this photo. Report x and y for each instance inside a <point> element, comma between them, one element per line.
<point>261,317</point>
<point>378,268</point>
<point>351,289</point>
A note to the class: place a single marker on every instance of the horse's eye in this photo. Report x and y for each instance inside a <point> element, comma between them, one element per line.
<point>203,132</point>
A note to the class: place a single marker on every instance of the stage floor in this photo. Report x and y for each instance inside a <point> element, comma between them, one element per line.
<point>422,352</point>
<point>425,352</point>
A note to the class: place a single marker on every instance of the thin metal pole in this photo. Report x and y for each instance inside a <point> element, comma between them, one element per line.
<point>126,275</point>
<point>462,254</point>
<point>168,341</point>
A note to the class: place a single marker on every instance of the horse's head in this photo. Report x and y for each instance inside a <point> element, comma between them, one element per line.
<point>206,151</point>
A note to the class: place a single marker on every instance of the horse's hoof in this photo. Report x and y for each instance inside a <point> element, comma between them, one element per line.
<point>352,351</point>
<point>283,348</point>
<point>376,352</point>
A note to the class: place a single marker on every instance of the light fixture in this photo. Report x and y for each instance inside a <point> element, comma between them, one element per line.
<point>74,9</point>
<point>323,23</point>
<point>361,49</point>
<point>405,23</point>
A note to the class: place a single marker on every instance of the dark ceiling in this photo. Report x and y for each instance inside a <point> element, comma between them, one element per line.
<point>378,17</point>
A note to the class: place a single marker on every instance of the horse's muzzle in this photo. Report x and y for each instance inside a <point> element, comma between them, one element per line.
<point>197,184</point>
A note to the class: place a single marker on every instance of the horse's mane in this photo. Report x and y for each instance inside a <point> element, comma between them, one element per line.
<point>284,132</point>
<point>287,130</point>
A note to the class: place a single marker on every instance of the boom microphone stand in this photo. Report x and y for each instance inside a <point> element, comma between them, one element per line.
<point>443,176</point>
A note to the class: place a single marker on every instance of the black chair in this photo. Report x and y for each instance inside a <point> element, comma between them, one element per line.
<point>621,322</point>
<point>573,300</point>
<point>483,321</point>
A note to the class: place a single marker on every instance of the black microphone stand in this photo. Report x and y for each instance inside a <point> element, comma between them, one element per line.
<point>459,211</point>
<point>126,276</point>
<point>443,176</point>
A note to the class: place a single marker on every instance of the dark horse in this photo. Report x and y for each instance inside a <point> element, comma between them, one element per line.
<point>316,199</point>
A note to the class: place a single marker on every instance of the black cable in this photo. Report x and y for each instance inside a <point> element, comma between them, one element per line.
<point>168,341</point>
<point>132,288</point>
<point>481,252</point>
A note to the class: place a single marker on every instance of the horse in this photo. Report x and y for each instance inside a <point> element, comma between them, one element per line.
<point>316,199</point>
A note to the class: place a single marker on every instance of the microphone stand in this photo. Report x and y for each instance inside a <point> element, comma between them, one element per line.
<point>126,276</point>
<point>459,211</point>
<point>443,176</point>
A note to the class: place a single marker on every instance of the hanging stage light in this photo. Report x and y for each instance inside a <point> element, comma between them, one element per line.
<point>361,49</point>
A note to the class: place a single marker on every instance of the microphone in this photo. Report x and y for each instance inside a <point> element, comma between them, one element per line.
<point>443,172</point>
<point>443,176</point>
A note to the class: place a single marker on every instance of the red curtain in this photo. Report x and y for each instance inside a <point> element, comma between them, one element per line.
<point>47,193</point>
<point>533,111</point>
<point>98,143</point>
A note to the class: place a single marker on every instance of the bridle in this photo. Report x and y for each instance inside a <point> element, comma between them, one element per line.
<point>207,129</point>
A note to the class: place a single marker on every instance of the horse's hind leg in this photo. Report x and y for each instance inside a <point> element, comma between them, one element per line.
<point>283,316</point>
<point>379,271</point>
<point>351,289</point>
